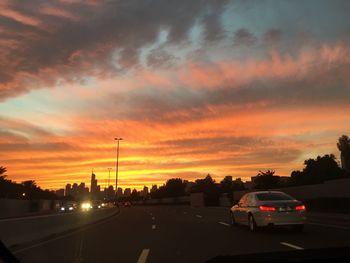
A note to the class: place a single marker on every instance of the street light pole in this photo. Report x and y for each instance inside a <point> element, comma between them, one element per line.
<point>117,164</point>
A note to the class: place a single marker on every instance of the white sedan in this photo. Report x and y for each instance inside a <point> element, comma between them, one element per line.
<point>268,208</point>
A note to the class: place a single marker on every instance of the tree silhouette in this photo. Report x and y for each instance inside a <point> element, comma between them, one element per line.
<point>344,148</point>
<point>175,187</point>
<point>209,188</point>
<point>3,170</point>
<point>266,180</point>
<point>228,186</point>
<point>11,189</point>
<point>317,171</point>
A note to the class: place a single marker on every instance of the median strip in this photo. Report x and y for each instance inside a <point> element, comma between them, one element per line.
<point>143,256</point>
<point>223,223</point>
<point>291,245</point>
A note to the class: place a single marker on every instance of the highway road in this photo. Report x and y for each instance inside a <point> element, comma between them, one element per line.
<point>181,234</point>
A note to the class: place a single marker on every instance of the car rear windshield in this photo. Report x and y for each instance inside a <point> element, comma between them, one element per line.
<point>273,196</point>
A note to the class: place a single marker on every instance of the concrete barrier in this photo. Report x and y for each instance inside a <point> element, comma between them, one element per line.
<point>197,200</point>
<point>165,201</point>
<point>225,201</point>
<point>18,207</point>
<point>16,231</point>
<point>333,188</point>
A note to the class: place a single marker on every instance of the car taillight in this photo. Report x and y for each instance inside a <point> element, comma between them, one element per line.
<point>266,208</point>
<point>300,207</point>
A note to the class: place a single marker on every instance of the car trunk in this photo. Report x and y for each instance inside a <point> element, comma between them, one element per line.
<point>282,205</point>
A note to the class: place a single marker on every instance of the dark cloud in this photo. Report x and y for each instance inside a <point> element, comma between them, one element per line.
<point>96,31</point>
<point>10,137</point>
<point>321,86</point>
<point>243,37</point>
<point>213,30</point>
<point>24,127</point>
<point>218,143</point>
<point>159,58</point>
<point>34,147</point>
<point>272,37</point>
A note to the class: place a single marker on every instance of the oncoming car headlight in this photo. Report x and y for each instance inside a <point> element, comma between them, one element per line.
<point>86,206</point>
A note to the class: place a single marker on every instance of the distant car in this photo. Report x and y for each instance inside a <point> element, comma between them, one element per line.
<point>86,206</point>
<point>127,204</point>
<point>96,204</point>
<point>268,208</point>
<point>69,207</point>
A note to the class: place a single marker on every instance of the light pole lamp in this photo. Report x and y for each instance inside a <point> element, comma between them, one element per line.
<point>117,164</point>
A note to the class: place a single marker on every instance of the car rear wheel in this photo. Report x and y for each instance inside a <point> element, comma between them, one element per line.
<point>251,223</point>
<point>232,219</point>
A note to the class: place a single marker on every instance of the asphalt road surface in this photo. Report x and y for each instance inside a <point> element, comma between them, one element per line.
<point>181,234</point>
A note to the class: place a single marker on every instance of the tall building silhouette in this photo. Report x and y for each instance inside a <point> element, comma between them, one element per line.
<point>120,192</point>
<point>127,192</point>
<point>68,190</point>
<point>93,185</point>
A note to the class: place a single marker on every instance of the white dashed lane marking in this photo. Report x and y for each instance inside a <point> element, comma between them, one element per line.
<point>291,245</point>
<point>223,223</point>
<point>199,216</point>
<point>143,256</point>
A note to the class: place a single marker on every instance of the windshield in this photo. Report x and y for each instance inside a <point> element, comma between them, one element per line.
<point>273,197</point>
<point>159,130</point>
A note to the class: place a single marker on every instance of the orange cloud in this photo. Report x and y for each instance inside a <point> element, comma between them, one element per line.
<point>58,12</point>
<point>235,73</point>
<point>19,17</point>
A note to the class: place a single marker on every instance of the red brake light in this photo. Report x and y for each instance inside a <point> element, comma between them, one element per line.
<point>300,207</point>
<point>266,208</point>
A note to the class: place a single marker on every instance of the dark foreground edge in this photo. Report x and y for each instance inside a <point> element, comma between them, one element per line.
<point>338,255</point>
<point>7,255</point>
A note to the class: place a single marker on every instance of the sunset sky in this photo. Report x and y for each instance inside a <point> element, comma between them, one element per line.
<point>193,87</point>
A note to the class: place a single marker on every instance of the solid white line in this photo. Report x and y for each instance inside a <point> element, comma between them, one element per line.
<point>199,216</point>
<point>291,245</point>
<point>153,226</point>
<point>223,223</point>
<point>143,256</point>
<point>32,217</point>
<point>333,226</point>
